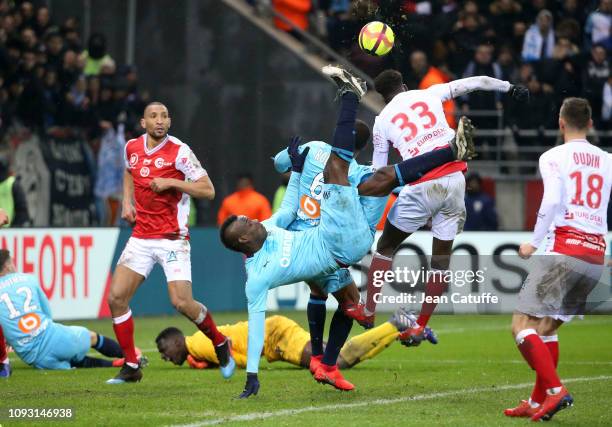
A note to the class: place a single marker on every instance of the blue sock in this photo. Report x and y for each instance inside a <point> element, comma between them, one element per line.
<point>316,322</point>
<point>108,347</point>
<point>413,169</point>
<point>344,136</point>
<point>338,333</point>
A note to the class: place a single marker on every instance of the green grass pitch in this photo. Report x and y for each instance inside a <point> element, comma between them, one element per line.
<point>468,379</point>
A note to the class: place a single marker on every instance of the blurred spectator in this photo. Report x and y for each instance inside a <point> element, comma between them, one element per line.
<point>598,27</point>
<point>12,196</point>
<point>483,65</point>
<point>479,206</point>
<point>42,23</point>
<point>426,76</point>
<point>507,63</point>
<point>594,77</point>
<point>245,201</point>
<point>504,13</point>
<point>111,166</point>
<point>540,38</point>
<point>54,50</point>
<point>383,219</point>
<point>465,40</point>
<point>96,57</point>
<point>279,194</point>
<point>606,109</point>
<point>296,11</point>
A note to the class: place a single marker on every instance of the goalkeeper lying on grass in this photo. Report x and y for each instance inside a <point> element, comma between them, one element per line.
<point>283,340</point>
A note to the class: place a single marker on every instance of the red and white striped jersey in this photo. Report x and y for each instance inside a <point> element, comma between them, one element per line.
<point>577,180</point>
<point>414,123</point>
<point>164,215</point>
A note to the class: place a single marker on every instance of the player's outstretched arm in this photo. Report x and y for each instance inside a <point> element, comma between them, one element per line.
<point>462,87</point>
<point>257,322</point>
<point>289,206</point>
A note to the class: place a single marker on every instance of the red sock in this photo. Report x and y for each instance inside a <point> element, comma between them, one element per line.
<point>434,288</point>
<point>209,328</point>
<point>124,331</point>
<point>380,264</point>
<point>3,352</point>
<point>536,354</point>
<point>539,391</point>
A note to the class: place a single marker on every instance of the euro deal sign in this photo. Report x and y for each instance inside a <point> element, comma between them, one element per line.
<point>72,265</point>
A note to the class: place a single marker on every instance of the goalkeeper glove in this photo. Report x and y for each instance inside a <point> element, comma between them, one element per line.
<point>519,93</point>
<point>251,387</point>
<point>297,158</point>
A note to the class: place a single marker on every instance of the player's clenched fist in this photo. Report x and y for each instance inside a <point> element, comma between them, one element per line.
<point>526,250</point>
<point>128,213</point>
<point>160,184</point>
<point>4,219</point>
<point>251,386</point>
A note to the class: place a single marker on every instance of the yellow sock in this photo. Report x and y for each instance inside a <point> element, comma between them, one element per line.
<point>367,345</point>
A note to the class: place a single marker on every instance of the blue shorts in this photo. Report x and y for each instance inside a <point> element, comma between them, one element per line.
<point>331,283</point>
<point>344,227</point>
<point>62,345</point>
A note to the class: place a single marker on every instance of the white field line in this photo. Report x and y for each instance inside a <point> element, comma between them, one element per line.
<point>340,406</point>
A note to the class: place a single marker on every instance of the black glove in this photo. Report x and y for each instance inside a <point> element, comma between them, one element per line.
<point>519,93</point>
<point>297,158</point>
<point>251,386</point>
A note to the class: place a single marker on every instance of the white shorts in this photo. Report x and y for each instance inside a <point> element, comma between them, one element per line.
<point>141,255</point>
<point>441,199</point>
<point>558,286</point>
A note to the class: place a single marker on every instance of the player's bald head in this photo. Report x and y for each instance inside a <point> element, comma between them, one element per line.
<point>155,104</point>
<point>229,233</point>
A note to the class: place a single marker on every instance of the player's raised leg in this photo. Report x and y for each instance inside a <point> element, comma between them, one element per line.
<point>181,296</point>
<point>5,366</point>
<point>123,286</point>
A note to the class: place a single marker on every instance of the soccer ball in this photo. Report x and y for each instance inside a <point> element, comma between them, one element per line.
<point>376,38</point>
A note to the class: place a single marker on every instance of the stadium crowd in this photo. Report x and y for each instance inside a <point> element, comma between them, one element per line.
<point>558,48</point>
<point>53,83</point>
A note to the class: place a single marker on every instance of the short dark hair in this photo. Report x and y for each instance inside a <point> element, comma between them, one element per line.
<point>576,112</point>
<point>245,175</point>
<point>388,82</point>
<point>362,134</point>
<point>168,333</point>
<point>222,231</point>
<point>5,256</point>
<point>154,103</point>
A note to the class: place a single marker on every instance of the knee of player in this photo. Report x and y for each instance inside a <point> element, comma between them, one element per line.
<point>181,305</point>
<point>116,301</point>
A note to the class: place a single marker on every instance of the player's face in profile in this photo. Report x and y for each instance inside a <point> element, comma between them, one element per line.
<point>248,229</point>
<point>156,121</point>
<point>170,352</point>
